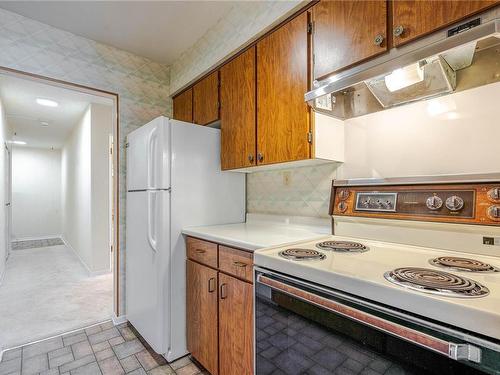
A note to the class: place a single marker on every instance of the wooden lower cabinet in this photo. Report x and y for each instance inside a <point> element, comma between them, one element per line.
<point>235,327</point>
<point>202,328</point>
<point>220,310</point>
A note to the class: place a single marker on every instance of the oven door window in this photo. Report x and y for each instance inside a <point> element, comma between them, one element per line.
<point>295,337</point>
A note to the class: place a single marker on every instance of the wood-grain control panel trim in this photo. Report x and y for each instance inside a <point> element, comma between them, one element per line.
<point>467,203</point>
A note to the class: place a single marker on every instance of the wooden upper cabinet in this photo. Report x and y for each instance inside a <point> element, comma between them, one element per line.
<point>283,117</point>
<point>235,326</point>
<point>413,18</point>
<point>202,302</point>
<point>347,32</point>
<point>206,100</point>
<point>183,106</point>
<point>237,94</point>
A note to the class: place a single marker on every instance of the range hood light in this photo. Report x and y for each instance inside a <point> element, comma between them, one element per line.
<point>404,77</point>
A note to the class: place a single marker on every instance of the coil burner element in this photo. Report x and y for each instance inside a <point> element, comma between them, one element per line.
<point>302,254</point>
<point>342,246</point>
<point>436,282</point>
<point>463,264</point>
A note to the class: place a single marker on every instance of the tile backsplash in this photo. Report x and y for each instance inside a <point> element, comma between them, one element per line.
<point>302,191</point>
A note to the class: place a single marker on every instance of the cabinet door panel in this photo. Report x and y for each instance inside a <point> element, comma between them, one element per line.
<point>235,326</point>
<point>422,17</point>
<point>183,106</point>
<point>345,33</point>
<point>282,80</point>
<point>237,92</point>
<point>206,100</point>
<point>202,325</point>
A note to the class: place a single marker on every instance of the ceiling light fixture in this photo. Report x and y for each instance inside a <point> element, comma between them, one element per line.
<point>47,102</point>
<point>18,142</point>
<point>44,123</point>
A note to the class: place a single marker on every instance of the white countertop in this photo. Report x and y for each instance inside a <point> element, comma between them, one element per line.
<point>261,231</point>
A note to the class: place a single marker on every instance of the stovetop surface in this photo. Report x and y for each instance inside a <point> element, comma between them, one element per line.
<point>362,274</point>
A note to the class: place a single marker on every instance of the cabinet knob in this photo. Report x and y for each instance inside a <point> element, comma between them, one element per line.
<point>379,39</point>
<point>260,156</point>
<point>399,30</point>
<point>250,158</point>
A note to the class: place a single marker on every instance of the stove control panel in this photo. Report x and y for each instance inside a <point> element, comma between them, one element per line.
<point>465,203</point>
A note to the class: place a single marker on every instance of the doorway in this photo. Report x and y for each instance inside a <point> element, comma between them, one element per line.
<point>60,201</point>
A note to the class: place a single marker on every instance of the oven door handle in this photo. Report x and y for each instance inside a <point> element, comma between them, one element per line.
<point>452,350</point>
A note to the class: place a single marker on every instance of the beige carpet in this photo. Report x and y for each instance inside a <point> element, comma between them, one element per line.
<point>46,292</point>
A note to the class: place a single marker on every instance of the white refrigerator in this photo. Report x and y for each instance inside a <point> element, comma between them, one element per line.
<point>173,181</point>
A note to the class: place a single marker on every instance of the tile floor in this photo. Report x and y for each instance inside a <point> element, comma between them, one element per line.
<point>32,244</point>
<point>102,349</point>
<point>47,291</point>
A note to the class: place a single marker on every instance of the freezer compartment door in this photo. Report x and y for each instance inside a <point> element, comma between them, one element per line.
<point>147,281</point>
<point>148,156</point>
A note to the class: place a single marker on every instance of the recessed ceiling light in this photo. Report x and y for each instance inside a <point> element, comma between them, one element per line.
<point>44,123</point>
<point>47,102</point>
<point>18,142</point>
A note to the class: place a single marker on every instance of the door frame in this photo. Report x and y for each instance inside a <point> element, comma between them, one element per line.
<point>116,161</point>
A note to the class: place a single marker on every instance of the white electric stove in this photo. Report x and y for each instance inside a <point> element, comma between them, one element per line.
<point>415,260</point>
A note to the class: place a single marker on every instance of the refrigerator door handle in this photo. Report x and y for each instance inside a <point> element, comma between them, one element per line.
<point>152,219</point>
<point>151,158</point>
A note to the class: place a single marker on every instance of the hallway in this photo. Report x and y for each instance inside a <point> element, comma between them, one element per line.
<point>47,291</point>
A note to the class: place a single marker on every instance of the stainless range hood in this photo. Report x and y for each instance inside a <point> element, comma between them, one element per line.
<point>462,57</point>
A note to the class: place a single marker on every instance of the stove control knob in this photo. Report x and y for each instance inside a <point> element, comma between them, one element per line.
<point>344,194</point>
<point>342,206</point>
<point>494,213</point>
<point>454,203</point>
<point>434,203</point>
<point>494,194</point>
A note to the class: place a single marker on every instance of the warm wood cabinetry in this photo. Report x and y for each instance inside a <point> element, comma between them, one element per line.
<point>206,100</point>
<point>414,18</point>
<point>202,301</point>
<point>220,307</point>
<point>183,106</point>
<point>283,117</point>
<point>347,32</point>
<point>235,326</point>
<point>238,104</point>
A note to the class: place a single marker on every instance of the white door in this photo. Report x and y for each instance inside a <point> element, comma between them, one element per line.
<point>148,156</point>
<point>147,257</point>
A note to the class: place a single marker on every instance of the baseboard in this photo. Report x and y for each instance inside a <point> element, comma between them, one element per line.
<point>89,271</point>
<point>77,255</point>
<point>46,237</point>
<point>119,319</point>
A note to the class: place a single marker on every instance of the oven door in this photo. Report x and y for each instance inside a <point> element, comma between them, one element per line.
<point>302,328</point>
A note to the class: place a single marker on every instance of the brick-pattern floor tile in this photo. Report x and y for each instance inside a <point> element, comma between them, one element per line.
<point>130,363</point>
<point>111,366</point>
<point>35,364</point>
<point>98,350</point>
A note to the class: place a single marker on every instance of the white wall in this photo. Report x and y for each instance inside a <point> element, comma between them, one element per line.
<point>36,192</point>
<point>101,124</point>
<point>4,136</point>
<point>76,188</point>
<point>452,134</point>
<point>85,182</point>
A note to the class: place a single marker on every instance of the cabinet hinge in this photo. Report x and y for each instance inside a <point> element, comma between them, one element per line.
<point>126,145</point>
<point>310,137</point>
<point>310,27</point>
